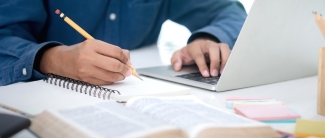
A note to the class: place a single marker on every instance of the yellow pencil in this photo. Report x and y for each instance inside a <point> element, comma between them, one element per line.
<point>29,116</point>
<point>86,35</point>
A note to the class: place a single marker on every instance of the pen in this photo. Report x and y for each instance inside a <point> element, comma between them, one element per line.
<point>17,111</point>
<point>86,35</point>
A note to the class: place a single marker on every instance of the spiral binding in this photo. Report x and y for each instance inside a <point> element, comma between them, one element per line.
<point>82,86</point>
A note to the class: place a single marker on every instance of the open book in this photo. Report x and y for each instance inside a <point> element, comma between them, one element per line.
<point>178,117</point>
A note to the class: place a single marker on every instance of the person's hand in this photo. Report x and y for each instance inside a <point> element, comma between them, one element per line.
<point>202,51</point>
<point>92,61</point>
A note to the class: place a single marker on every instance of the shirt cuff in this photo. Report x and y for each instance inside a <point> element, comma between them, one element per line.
<point>23,70</point>
<point>219,35</point>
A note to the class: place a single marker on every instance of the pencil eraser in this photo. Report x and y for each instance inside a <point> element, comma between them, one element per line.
<point>57,11</point>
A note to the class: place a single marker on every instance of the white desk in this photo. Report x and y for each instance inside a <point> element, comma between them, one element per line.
<point>300,94</point>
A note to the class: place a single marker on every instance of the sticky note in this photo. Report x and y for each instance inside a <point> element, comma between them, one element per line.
<point>235,104</point>
<point>310,128</point>
<point>230,103</point>
<point>245,98</point>
<point>280,121</point>
<point>267,112</point>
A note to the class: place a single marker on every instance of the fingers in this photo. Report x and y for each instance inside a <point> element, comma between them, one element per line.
<point>111,64</point>
<point>107,76</point>
<point>214,54</point>
<point>181,57</point>
<point>97,75</point>
<point>198,55</point>
<point>218,54</point>
<point>97,81</point>
<point>177,60</point>
<point>95,62</point>
<point>109,50</point>
<point>225,53</point>
<point>110,57</point>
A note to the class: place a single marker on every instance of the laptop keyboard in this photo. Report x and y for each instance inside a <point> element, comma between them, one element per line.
<point>198,77</point>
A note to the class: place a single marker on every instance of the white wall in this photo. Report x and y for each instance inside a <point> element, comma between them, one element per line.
<point>247,4</point>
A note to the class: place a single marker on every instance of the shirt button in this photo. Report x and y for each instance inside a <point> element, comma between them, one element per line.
<point>24,71</point>
<point>112,16</point>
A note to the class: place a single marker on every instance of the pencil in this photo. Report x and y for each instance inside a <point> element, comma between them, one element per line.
<point>320,20</point>
<point>17,111</point>
<point>86,35</point>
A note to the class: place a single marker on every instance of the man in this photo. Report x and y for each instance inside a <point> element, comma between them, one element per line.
<point>35,41</point>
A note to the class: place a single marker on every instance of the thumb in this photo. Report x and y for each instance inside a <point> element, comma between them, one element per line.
<point>176,61</point>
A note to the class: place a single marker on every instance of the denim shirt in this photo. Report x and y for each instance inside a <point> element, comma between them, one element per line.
<point>26,26</point>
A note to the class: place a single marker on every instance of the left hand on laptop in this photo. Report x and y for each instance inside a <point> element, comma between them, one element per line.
<point>202,51</point>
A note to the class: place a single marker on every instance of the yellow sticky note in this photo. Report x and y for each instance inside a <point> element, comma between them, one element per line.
<point>306,128</point>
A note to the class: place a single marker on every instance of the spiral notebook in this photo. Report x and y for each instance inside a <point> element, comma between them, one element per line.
<point>57,92</point>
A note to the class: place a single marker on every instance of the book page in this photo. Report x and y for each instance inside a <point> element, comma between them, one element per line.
<point>111,119</point>
<point>188,113</point>
<point>37,96</point>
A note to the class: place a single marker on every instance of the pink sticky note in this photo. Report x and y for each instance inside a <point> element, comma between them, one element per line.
<point>266,112</point>
<point>243,98</point>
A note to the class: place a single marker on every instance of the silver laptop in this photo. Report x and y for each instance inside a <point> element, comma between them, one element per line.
<point>279,41</point>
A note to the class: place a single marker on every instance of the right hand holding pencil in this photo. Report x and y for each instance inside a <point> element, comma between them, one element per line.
<point>92,61</point>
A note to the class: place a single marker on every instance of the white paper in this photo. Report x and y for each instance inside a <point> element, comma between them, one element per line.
<point>110,119</point>
<point>131,87</point>
<point>186,113</point>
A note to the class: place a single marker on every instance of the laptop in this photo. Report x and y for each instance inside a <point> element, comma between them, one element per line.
<point>279,41</point>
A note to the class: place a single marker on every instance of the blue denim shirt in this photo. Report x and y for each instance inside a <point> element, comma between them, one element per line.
<point>26,26</point>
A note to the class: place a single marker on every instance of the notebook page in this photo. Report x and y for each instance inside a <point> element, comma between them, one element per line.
<point>111,119</point>
<point>35,97</point>
<point>132,86</point>
<point>188,113</point>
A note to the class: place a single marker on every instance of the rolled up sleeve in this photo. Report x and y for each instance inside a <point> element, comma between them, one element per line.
<point>15,70</point>
<point>21,23</point>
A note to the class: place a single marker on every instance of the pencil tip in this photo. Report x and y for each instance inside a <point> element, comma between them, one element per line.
<point>57,11</point>
<point>136,75</point>
<point>139,77</point>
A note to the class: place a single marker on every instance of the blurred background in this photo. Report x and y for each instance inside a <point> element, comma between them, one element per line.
<point>174,36</point>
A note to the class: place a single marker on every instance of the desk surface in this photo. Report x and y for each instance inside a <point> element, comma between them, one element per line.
<point>300,94</point>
